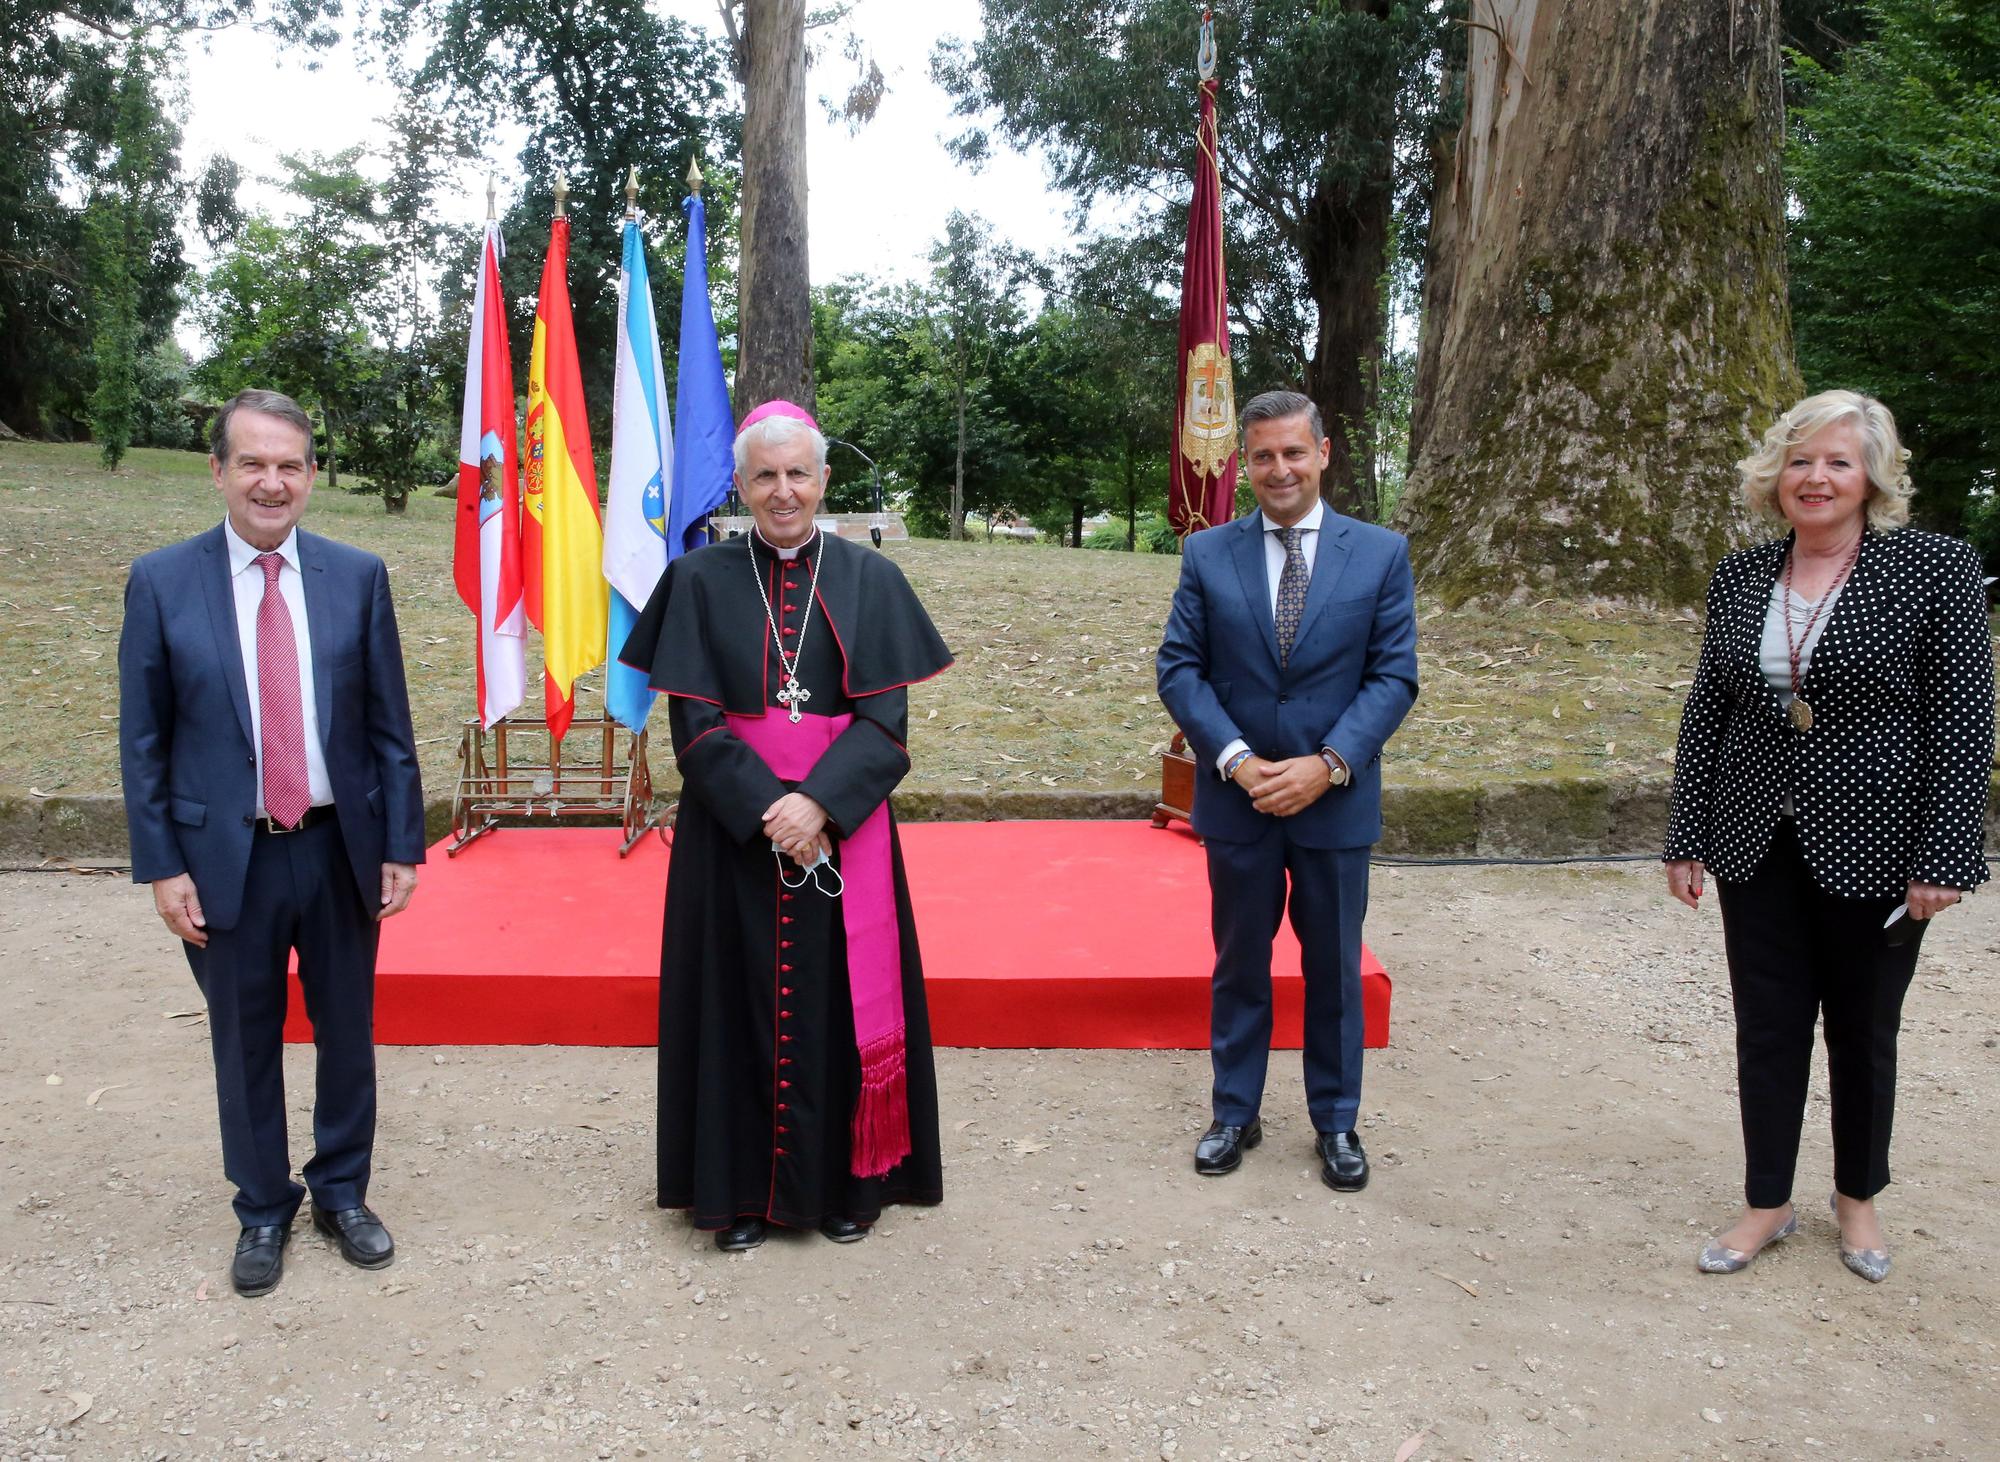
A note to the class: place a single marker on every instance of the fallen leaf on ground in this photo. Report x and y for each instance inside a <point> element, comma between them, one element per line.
<point>91,1100</point>
<point>201,1290</point>
<point>1410,1444</point>
<point>1471,1289</point>
<point>81,1400</point>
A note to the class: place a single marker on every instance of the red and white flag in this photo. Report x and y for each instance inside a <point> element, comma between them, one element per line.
<point>487,557</point>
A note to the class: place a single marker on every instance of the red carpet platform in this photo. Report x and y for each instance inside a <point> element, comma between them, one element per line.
<point>1057,934</point>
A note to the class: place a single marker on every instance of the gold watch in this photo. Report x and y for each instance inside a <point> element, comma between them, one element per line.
<point>1336,770</point>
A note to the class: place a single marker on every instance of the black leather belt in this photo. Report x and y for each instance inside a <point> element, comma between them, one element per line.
<point>313,818</point>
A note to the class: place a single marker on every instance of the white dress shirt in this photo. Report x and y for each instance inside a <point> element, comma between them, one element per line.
<point>247,583</point>
<point>1274,572</point>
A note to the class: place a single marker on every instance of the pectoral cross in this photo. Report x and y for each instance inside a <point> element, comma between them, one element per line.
<point>793,696</point>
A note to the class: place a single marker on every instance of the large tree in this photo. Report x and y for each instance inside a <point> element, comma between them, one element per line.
<point>1605,321</point>
<point>598,86</point>
<point>1318,104</point>
<point>774,320</point>
<point>1895,163</point>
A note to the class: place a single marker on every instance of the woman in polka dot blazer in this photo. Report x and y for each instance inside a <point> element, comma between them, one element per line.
<point>1831,774</point>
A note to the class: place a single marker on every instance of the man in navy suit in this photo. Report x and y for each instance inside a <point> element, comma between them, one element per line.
<point>273,802</point>
<point>1290,657</point>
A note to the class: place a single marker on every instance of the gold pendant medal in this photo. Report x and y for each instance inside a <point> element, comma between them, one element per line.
<point>1801,713</point>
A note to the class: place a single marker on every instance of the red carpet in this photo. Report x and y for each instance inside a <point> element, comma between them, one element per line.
<point>1062,934</point>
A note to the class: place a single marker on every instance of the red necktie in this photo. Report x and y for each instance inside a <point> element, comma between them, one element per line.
<point>281,717</point>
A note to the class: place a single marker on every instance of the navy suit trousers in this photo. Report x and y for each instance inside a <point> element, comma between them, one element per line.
<point>300,894</point>
<point>1328,897</point>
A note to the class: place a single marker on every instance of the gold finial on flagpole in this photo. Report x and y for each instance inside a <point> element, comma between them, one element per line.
<point>694,173</point>
<point>490,215</point>
<point>632,192</point>
<point>562,196</point>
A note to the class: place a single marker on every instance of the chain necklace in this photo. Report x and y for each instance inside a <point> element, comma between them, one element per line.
<point>1801,713</point>
<point>791,695</point>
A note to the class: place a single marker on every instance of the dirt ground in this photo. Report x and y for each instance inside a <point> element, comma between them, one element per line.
<point>1553,1133</point>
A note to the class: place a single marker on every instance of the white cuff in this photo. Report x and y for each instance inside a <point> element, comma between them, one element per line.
<point>1222,762</point>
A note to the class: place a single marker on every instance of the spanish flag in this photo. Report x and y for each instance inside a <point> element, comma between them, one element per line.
<point>562,535</point>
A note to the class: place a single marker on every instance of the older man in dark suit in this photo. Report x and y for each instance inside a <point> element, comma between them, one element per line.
<point>1290,657</point>
<point>273,801</point>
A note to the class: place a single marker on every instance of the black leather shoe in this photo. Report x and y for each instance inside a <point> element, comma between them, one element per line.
<point>745,1233</point>
<point>1343,1166</point>
<point>843,1230</point>
<point>1222,1147</point>
<point>363,1241</point>
<point>260,1259</point>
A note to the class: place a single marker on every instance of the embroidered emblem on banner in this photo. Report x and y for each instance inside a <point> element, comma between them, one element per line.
<point>1208,419</point>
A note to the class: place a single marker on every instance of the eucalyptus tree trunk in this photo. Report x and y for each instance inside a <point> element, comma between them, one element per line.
<point>774,312</point>
<point>1605,319</point>
<point>1343,250</point>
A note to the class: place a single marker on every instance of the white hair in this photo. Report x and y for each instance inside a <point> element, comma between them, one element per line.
<point>775,431</point>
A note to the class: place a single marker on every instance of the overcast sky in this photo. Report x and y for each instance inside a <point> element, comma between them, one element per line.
<point>877,198</point>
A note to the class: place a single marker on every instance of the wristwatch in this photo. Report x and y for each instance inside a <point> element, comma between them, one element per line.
<point>1336,769</point>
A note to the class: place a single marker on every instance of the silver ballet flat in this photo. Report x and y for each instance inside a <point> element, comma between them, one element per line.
<point>1716,1258</point>
<point>1871,1264</point>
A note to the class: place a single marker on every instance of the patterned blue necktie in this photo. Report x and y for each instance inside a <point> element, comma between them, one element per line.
<point>1291,592</point>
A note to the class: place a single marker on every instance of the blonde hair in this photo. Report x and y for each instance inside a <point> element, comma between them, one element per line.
<point>1882,454</point>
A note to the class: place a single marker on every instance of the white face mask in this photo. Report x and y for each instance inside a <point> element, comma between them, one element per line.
<point>810,873</point>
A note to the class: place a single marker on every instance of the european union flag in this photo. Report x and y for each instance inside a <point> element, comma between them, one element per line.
<point>705,440</point>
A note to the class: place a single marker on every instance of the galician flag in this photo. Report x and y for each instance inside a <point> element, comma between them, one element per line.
<point>642,464</point>
<point>704,444</point>
<point>486,559</point>
<point>562,541</point>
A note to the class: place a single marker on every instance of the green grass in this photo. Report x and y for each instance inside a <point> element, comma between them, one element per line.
<point>1053,685</point>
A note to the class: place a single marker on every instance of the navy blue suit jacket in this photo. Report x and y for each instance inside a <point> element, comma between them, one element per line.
<point>184,718</point>
<point>1351,679</point>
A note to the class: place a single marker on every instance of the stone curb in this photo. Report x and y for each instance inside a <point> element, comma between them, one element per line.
<point>1576,817</point>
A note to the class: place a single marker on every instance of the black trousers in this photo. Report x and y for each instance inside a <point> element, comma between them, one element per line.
<point>300,894</point>
<point>1796,954</point>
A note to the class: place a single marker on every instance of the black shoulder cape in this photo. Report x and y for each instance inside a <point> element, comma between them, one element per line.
<point>703,632</point>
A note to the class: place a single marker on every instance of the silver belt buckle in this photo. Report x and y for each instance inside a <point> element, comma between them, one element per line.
<point>272,825</point>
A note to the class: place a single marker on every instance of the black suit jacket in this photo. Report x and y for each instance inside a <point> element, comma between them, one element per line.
<point>184,718</point>
<point>1890,783</point>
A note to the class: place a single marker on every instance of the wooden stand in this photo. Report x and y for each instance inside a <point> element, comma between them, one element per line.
<point>510,786</point>
<point>1176,783</point>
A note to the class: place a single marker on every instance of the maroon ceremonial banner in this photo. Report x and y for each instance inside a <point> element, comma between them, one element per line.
<point>1203,489</point>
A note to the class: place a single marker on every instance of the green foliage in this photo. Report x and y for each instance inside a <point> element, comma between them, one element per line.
<point>1326,113</point>
<point>403,409</point>
<point>1895,163</point>
<point>63,100</point>
<point>598,86</point>
<point>1066,414</point>
<point>118,236</point>
<point>286,307</point>
<point>162,377</point>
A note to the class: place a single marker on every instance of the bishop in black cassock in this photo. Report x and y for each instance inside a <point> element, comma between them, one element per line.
<point>796,1082</point>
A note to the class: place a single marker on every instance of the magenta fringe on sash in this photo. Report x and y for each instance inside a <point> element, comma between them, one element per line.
<point>881,1130</point>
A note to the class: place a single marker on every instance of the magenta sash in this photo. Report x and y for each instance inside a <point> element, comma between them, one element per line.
<point>881,1123</point>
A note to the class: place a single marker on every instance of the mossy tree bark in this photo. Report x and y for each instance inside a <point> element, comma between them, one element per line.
<point>1605,318</point>
<point>774,318</point>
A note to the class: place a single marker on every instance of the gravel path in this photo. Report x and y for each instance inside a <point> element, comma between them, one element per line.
<point>1553,1133</point>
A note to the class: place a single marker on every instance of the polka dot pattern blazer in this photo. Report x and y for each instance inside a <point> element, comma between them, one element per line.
<point>1890,784</point>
